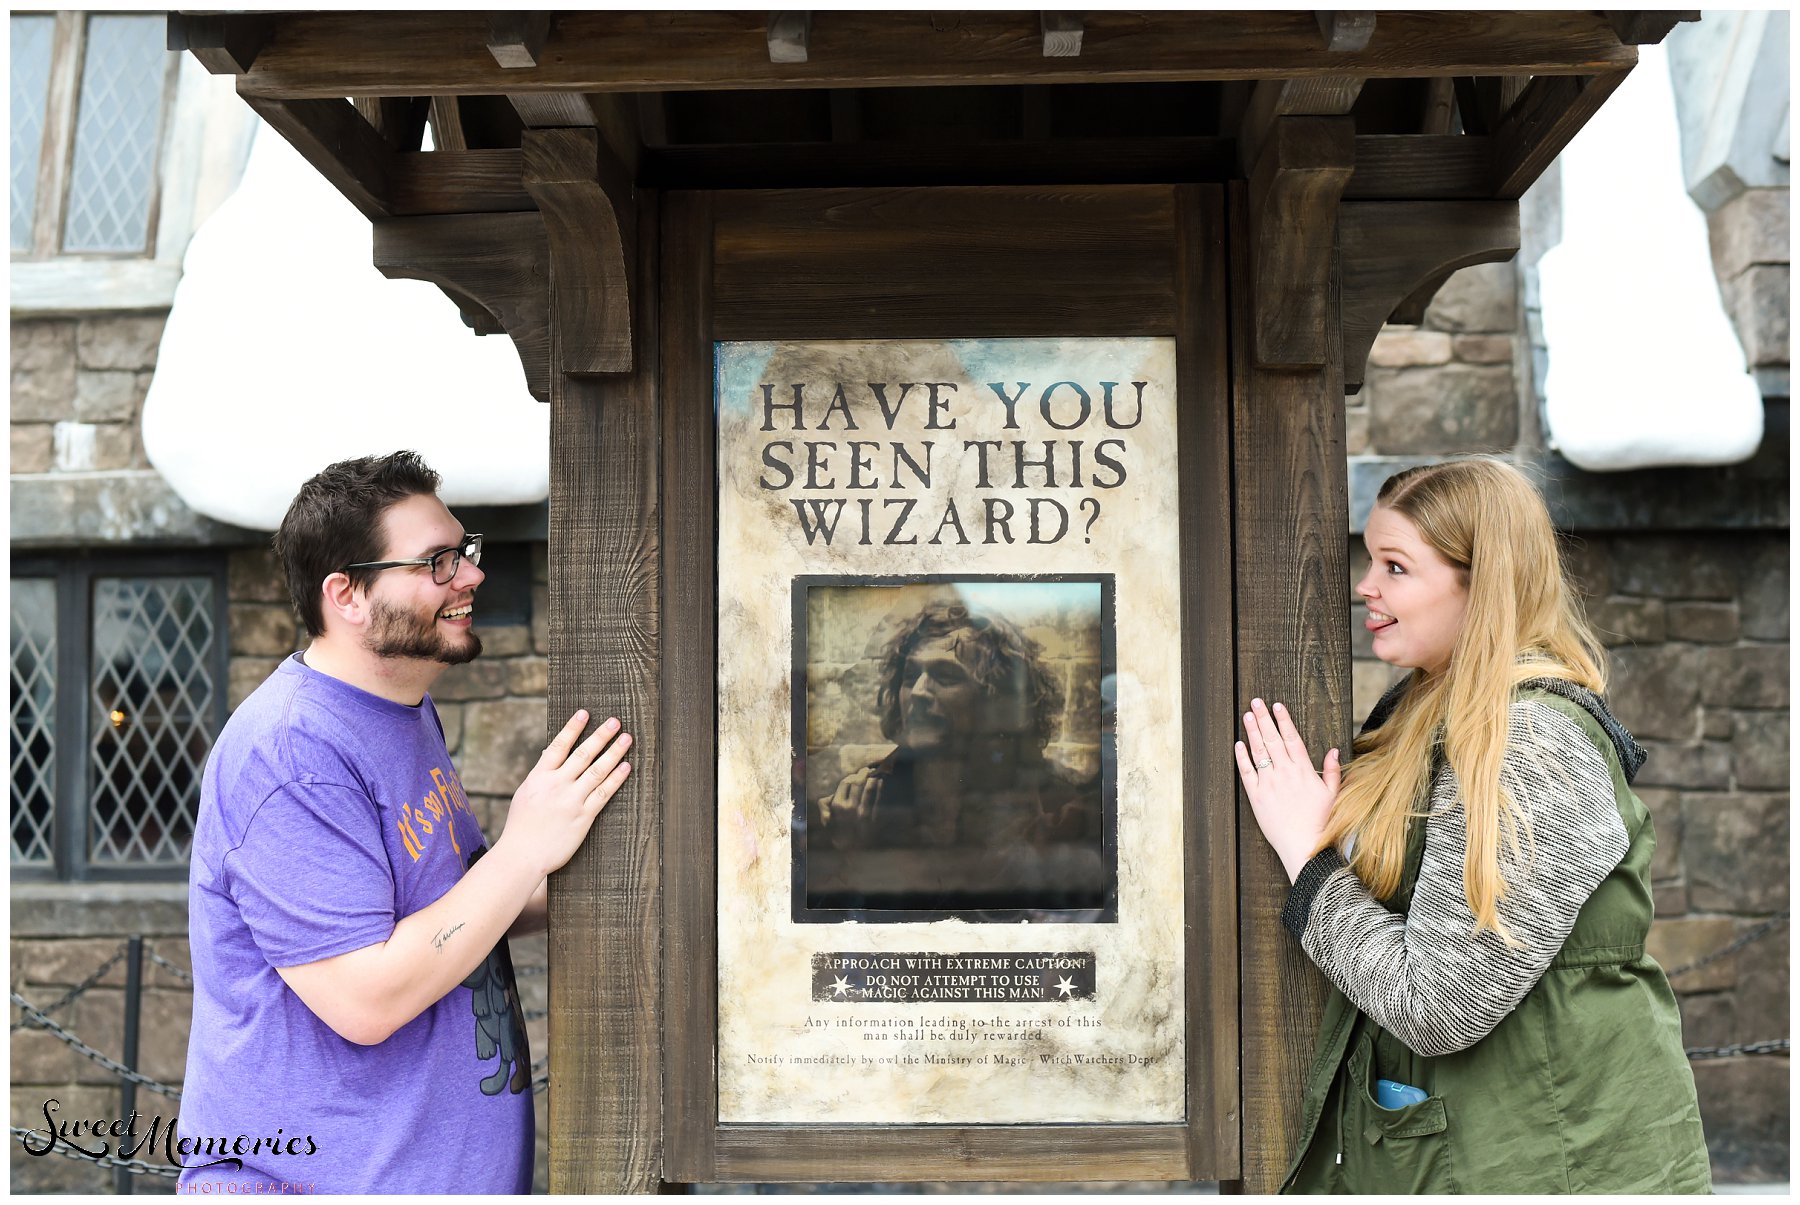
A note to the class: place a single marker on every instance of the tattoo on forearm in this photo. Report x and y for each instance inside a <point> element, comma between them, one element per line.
<point>438,941</point>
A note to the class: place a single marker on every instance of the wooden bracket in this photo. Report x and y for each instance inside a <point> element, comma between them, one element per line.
<point>494,266</point>
<point>1304,96</point>
<point>224,43</point>
<point>1387,250</point>
<point>788,35</point>
<point>586,198</point>
<point>400,120</point>
<point>1346,31</point>
<point>1294,193</point>
<point>1533,130</point>
<point>1061,34</point>
<point>1646,27</point>
<point>343,147</point>
<point>516,39</point>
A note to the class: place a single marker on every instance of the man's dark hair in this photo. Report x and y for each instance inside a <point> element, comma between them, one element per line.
<point>336,520</point>
<point>1003,661</point>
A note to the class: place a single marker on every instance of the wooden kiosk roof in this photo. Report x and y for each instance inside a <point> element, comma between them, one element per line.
<point>1367,155</point>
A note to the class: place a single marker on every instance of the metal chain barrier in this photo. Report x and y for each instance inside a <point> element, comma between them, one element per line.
<point>181,973</point>
<point>39,1020</point>
<point>69,997</point>
<point>1772,1046</point>
<point>135,1166</point>
<point>1743,939</point>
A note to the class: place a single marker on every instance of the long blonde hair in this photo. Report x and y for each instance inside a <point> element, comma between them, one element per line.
<point>1522,621</point>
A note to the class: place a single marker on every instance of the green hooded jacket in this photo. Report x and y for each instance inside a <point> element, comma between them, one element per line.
<point>1582,1086</point>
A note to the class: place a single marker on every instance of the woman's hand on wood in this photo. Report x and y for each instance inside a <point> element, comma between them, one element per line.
<point>1291,799</point>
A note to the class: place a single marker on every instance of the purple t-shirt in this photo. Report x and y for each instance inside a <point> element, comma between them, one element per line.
<point>328,814</point>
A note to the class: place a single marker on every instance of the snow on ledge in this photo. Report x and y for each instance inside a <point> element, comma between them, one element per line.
<point>286,350</point>
<point>1644,367</point>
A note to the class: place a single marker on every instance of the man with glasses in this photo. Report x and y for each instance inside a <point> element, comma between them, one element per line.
<point>356,1022</point>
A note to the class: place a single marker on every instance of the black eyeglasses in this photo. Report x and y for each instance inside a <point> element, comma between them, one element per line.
<point>443,564</point>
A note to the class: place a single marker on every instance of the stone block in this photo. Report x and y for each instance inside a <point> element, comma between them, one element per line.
<point>116,446</point>
<point>1734,848</point>
<point>40,1057</point>
<point>1369,680</point>
<point>501,741</point>
<point>1671,566</point>
<point>1665,817</point>
<point>1715,723</point>
<point>1587,563</point>
<point>1677,942</point>
<point>1709,1019</point>
<point>1669,899</point>
<point>129,341</point>
<point>1408,347</point>
<point>244,674</point>
<point>1483,297</point>
<point>1356,431</point>
<point>1751,228</point>
<point>540,618</point>
<point>1483,349</point>
<point>1757,300</point>
<point>163,1036</point>
<point>175,950</point>
<point>254,575</point>
<point>1624,620</point>
<point>99,909</point>
<point>1759,750</point>
<point>1744,1106</point>
<point>32,447</point>
<point>1456,408</point>
<point>52,1172</point>
<point>73,447</point>
<point>1752,676</point>
<point>98,1019</point>
<point>528,676</point>
<point>504,640</point>
<point>50,967</point>
<point>43,371</point>
<point>478,679</point>
<point>1705,765</point>
<point>1764,991</point>
<point>1704,622</point>
<point>1763,597</point>
<point>1655,690</point>
<point>109,397</point>
<point>262,630</point>
<point>451,714</point>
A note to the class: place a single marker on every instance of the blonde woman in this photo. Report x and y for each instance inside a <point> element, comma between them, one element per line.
<point>1475,882</point>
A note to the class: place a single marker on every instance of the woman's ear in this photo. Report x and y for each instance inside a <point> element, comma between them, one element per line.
<point>343,598</point>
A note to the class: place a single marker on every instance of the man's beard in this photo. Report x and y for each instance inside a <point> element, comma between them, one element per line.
<point>394,632</point>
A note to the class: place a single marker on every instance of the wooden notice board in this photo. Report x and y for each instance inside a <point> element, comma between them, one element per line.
<point>921,1006</point>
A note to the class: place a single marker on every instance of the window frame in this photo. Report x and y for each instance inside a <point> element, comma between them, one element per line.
<point>56,148</point>
<point>71,816</point>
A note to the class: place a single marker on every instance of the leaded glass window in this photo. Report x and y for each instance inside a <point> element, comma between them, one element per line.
<point>119,667</point>
<point>33,719</point>
<point>31,36</point>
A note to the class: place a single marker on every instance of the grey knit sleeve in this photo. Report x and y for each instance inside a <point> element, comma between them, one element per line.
<point>1425,977</point>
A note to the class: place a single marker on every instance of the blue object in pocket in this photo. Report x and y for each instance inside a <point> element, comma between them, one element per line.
<point>1390,1094</point>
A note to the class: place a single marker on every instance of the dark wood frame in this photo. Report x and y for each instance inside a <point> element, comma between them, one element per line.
<point>1164,251</point>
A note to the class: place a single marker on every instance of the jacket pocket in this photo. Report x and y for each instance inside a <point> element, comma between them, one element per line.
<point>1392,1150</point>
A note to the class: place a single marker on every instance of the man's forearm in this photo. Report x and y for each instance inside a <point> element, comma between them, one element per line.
<point>367,994</point>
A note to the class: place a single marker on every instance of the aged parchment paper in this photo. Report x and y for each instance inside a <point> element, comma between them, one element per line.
<point>990,458</point>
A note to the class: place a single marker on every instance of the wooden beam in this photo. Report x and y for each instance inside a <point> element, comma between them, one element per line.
<point>1290,511</point>
<point>1550,111</point>
<point>333,137</point>
<point>225,43</point>
<point>1294,195</point>
<point>1346,31</point>
<point>1061,33</point>
<point>1440,107</point>
<point>495,267</point>
<point>446,124</point>
<point>1646,27</point>
<point>1321,96</point>
<point>1389,249</point>
<point>788,35</point>
<point>337,54</point>
<point>400,120</point>
<point>586,199</point>
<point>516,39</point>
<point>606,654</point>
<point>551,110</point>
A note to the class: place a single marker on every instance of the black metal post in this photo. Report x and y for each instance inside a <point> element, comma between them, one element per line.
<point>124,1181</point>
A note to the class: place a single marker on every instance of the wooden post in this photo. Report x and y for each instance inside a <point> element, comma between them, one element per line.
<point>606,588</point>
<point>1293,645</point>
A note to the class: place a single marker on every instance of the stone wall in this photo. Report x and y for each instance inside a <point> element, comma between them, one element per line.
<point>78,387</point>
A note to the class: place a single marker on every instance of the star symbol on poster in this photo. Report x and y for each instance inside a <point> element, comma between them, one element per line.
<point>1066,987</point>
<point>840,986</point>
